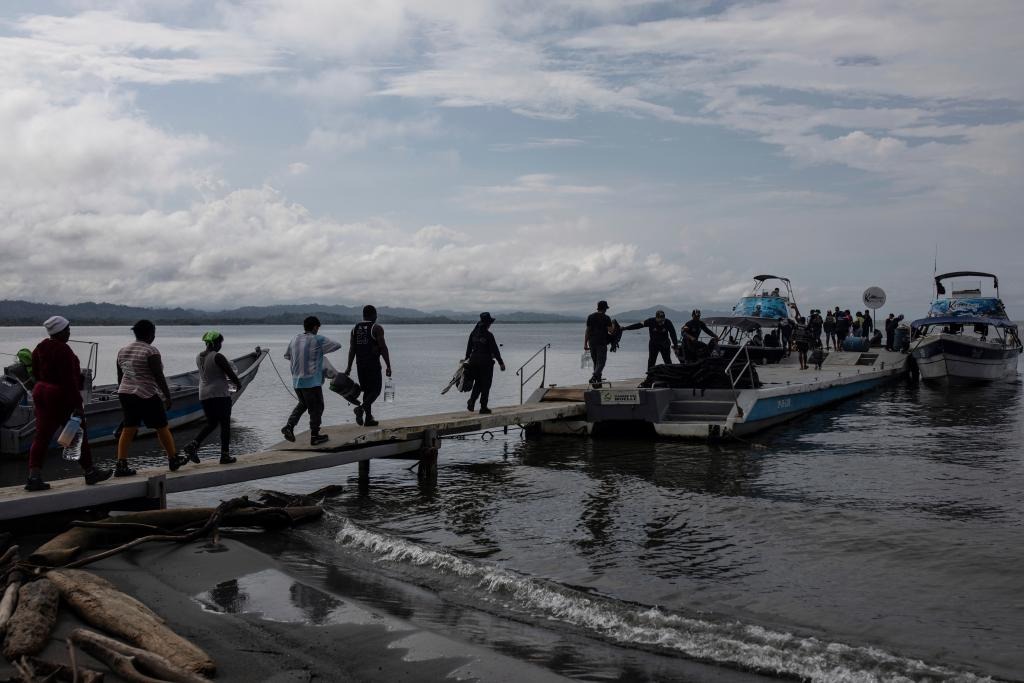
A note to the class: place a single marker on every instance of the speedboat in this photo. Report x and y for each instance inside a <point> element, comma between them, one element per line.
<point>102,407</point>
<point>966,338</point>
<point>762,311</point>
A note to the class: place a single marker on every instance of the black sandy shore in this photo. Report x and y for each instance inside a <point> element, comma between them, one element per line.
<point>351,644</point>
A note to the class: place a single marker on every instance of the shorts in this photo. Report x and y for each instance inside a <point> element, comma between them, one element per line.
<point>139,411</point>
<point>802,346</point>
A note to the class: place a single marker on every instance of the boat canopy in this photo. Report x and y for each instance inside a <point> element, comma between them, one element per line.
<point>963,320</point>
<point>939,288</point>
<point>979,306</point>
<point>762,278</point>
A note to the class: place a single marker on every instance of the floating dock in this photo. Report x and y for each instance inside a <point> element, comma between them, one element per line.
<point>414,438</point>
<point>785,392</point>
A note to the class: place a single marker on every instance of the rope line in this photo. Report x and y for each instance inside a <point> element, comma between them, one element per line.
<point>283,383</point>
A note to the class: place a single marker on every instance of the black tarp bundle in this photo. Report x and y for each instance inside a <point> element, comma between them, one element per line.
<point>707,373</point>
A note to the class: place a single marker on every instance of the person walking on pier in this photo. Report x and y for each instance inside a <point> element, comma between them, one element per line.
<point>56,397</point>
<point>481,352</point>
<point>216,378</point>
<point>802,339</point>
<point>306,353</point>
<point>663,338</point>
<point>816,323</point>
<point>597,338</point>
<point>842,329</point>
<point>691,334</point>
<point>140,381</point>
<point>366,348</point>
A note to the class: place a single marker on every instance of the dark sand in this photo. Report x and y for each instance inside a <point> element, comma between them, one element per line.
<point>269,630</point>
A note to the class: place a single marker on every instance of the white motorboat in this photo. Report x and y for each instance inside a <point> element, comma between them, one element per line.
<point>966,338</point>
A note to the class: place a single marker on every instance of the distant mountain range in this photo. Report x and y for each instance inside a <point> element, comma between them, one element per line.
<point>91,313</point>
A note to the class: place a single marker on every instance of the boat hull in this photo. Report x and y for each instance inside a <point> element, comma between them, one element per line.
<point>961,360</point>
<point>103,414</point>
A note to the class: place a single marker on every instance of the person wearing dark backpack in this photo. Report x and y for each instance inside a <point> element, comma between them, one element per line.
<point>367,347</point>
<point>481,352</point>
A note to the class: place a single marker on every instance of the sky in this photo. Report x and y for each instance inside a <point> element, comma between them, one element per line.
<point>507,154</point>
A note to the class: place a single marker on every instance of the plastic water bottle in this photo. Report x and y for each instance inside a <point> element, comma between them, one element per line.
<point>586,361</point>
<point>67,435</point>
<point>389,391</point>
<point>73,451</point>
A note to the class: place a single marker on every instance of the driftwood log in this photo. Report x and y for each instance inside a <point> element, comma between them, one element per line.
<point>62,549</point>
<point>129,662</point>
<point>33,620</point>
<point>42,670</point>
<point>7,605</point>
<point>280,499</point>
<point>100,604</point>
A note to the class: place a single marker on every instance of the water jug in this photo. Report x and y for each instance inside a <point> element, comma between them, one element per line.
<point>389,391</point>
<point>67,435</point>
<point>586,361</point>
<point>73,451</point>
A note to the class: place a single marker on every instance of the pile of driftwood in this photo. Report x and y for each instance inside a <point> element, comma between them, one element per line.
<point>135,643</point>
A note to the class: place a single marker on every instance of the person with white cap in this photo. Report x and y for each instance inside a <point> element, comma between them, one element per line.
<point>55,398</point>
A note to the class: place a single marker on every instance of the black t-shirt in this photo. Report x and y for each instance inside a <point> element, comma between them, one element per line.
<point>598,324</point>
<point>663,334</point>
<point>693,327</point>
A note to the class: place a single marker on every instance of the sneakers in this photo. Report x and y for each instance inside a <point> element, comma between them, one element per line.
<point>95,476</point>
<point>227,460</point>
<point>175,463</point>
<point>369,421</point>
<point>192,451</point>
<point>36,484</point>
<point>289,434</point>
<point>358,410</point>
<point>122,469</point>
<point>484,410</point>
<point>317,439</point>
<point>470,407</point>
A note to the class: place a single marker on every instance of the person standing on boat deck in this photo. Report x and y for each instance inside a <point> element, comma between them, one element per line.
<point>891,323</point>
<point>842,329</point>
<point>140,381</point>
<point>866,325</point>
<point>816,323</point>
<point>662,338</point>
<point>802,341</point>
<point>596,339</point>
<point>786,333</point>
<point>57,396</point>
<point>366,348</point>
<point>691,334</point>
<point>830,330</point>
<point>306,353</point>
<point>481,352</point>
<point>215,374</point>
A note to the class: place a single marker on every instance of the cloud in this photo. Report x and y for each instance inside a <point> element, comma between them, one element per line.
<point>357,134</point>
<point>537,143</point>
<point>297,168</point>
<point>530,193</point>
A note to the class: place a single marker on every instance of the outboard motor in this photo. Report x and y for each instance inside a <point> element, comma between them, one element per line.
<point>12,393</point>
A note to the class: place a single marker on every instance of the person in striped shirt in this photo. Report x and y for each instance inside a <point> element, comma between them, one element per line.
<point>306,353</point>
<point>140,383</point>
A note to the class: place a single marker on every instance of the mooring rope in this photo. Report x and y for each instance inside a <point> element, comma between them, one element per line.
<point>283,383</point>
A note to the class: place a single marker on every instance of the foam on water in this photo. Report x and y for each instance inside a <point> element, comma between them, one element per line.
<point>731,643</point>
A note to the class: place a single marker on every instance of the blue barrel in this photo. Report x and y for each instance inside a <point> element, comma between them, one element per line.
<point>856,344</point>
<point>901,339</point>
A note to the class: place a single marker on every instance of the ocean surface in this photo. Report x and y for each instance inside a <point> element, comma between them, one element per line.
<point>880,539</point>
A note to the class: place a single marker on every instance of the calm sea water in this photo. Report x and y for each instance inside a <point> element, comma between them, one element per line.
<point>878,539</point>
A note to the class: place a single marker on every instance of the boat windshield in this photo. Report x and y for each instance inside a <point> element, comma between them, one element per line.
<point>771,307</point>
<point>979,307</point>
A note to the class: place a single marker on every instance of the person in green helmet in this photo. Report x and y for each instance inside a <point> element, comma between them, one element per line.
<point>22,370</point>
<point>216,378</point>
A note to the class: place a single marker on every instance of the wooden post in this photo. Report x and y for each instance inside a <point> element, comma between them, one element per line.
<point>364,475</point>
<point>427,471</point>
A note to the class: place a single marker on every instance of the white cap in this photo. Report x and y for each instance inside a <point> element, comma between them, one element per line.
<point>55,324</point>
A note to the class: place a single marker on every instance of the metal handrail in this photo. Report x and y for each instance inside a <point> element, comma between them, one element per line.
<point>744,347</point>
<point>543,369</point>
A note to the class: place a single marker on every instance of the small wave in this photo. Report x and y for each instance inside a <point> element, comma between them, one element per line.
<point>732,643</point>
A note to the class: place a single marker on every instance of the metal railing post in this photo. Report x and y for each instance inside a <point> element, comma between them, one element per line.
<point>523,379</point>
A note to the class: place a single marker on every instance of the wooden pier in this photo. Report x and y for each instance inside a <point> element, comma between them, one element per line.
<point>414,438</point>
